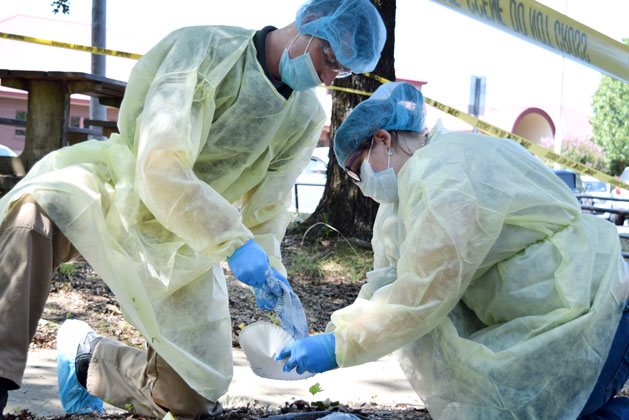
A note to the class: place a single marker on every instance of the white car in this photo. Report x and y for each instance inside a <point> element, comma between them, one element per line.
<point>5,151</point>
<point>619,219</point>
<point>310,183</point>
<point>601,190</point>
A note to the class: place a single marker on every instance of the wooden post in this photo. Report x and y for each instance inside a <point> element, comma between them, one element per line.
<point>50,100</point>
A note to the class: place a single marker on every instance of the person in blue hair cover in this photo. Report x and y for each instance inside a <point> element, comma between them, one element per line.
<point>499,297</point>
<point>216,124</point>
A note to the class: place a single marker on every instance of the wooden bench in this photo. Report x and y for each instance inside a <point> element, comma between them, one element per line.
<point>108,127</point>
<point>48,110</point>
<point>75,134</point>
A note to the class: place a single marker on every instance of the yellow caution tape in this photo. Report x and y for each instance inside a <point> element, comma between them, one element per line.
<point>93,50</point>
<point>378,78</point>
<point>549,29</point>
<point>475,122</point>
<point>342,89</point>
<point>541,152</point>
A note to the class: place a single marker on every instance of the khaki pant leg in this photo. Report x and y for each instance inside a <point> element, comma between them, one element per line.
<point>31,246</point>
<point>125,375</point>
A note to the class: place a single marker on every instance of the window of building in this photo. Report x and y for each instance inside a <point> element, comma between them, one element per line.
<point>20,115</point>
<point>75,121</point>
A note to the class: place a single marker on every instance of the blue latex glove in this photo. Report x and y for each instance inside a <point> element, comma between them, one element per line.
<point>312,354</point>
<point>270,291</point>
<point>250,264</point>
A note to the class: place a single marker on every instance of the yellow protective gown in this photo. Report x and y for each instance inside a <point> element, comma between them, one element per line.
<point>500,296</point>
<point>206,158</point>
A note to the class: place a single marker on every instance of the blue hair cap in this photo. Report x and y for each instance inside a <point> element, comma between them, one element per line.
<point>353,28</point>
<point>393,106</point>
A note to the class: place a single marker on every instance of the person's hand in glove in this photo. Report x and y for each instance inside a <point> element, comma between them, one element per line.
<point>270,291</point>
<point>312,354</point>
<point>250,264</point>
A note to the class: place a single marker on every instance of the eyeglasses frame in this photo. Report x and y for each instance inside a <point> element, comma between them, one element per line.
<point>331,61</point>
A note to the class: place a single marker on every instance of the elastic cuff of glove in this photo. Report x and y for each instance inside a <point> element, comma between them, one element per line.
<point>239,249</point>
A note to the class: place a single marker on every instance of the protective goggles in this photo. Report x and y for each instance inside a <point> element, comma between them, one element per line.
<point>331,61</point>
<point>348,168</point>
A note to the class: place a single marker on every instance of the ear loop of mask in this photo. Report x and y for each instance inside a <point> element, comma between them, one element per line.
<point>389,153</point>
<point>307,45</point>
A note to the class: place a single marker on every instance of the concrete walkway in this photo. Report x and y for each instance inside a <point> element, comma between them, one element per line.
<point>381,382</point>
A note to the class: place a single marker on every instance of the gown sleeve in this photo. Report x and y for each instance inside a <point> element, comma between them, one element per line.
<point>265,208</point>
<point>177,114</point>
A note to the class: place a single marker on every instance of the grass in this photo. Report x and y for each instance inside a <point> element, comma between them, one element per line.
<point>305,264</point>
<point>329,255</point>
<point>349,262</point>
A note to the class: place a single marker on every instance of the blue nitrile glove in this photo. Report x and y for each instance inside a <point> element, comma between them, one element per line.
<point>312,354</point>
<point>270,291</point>
<point>250,264</point>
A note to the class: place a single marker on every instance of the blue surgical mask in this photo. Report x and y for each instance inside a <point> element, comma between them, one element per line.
<point>299,73</point>
<point>380,186</point>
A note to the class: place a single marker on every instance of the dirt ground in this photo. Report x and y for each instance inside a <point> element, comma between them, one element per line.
<point>78,292</point>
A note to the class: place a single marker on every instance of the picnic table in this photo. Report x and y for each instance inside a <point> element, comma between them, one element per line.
<point>48,113</point>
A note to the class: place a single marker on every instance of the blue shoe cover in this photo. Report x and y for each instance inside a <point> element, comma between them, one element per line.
<point>74,398</point>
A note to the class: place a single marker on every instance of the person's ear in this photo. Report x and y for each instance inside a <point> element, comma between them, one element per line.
<point>383,136</point>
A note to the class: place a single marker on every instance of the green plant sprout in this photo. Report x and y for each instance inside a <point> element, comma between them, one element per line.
<point>67,268</point>
<point>315,389</point>
<point>325,404</point>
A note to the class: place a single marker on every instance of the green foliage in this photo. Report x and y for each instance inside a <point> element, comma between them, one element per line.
<point>128,407</point>
<point>61,5</point>
<point>611,121</point>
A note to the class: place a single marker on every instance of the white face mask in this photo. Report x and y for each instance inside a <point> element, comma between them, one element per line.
<point>299,73</point>
<point>380,186</point>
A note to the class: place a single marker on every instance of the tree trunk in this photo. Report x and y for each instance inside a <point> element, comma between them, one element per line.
<point>343,206</point>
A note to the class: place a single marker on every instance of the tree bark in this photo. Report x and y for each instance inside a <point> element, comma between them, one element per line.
<point>343,206</point>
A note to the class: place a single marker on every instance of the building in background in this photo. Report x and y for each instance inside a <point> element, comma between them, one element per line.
<point>534,118</point>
